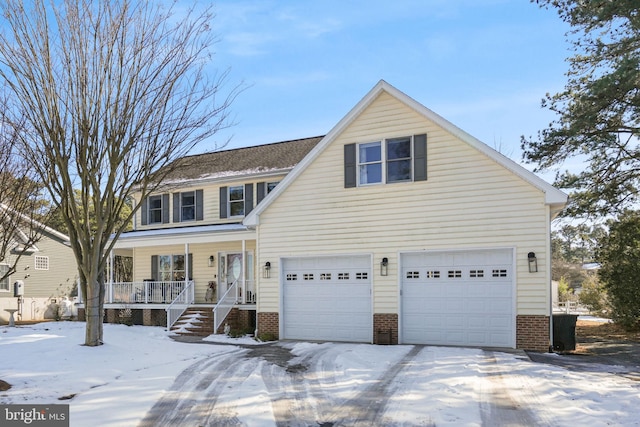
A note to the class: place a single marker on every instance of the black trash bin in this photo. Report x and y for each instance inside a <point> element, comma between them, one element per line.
<point>564,332</point>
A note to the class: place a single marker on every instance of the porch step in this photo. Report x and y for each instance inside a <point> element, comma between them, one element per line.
<point>195,322</point>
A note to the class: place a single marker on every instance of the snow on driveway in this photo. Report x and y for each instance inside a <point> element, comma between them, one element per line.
<point>141,376</point>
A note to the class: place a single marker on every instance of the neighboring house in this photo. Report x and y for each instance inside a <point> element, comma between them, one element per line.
<point>48,272</point>
<point>396,227</point>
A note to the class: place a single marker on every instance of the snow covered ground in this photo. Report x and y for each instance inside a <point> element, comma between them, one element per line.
<point>118,383</point>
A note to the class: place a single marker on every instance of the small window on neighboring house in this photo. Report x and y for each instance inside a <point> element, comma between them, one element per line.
<point>4,281</point>
<point>155,209</point>
<point>236,201</point>
<point>41,262</point>
<point>188,206</point>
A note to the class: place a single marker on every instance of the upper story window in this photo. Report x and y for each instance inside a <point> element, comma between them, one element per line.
<point>236,201</point>
<point>4,282</point>
<point>155,210</point>
<point>390,160</point>
<point>188,206</point>
<point>271,186</point>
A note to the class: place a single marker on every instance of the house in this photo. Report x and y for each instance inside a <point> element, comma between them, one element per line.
<point>395,227</point>
<point>47,275</point>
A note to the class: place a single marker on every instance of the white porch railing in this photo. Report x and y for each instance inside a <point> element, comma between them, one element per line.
<point>180,304</point>
<point>224,306</point>
<point>147,292</point>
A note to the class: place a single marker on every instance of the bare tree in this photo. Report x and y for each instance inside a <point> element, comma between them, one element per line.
<point>20,202</point>
<point>113,92</point>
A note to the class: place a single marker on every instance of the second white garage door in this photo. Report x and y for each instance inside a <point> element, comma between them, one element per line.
<point>458,298</point>
<point>327,298</point>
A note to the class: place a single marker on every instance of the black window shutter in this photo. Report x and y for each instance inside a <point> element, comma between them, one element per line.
<point>190,272</point>
<point>199,205</point>
<point>248,198</point>
<point>165,208</point>
<point>349,165</point>
<point>154,267</point>
<point>420,157</point>
<point>223,202</point>
<point>144,211</point>
<point>260,191</point>
<point>176,207</point>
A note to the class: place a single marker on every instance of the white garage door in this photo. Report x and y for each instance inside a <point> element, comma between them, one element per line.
<point>458,298</point>
<point>327,298</point>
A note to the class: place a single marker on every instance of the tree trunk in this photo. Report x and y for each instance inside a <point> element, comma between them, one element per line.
<point>94,312</point>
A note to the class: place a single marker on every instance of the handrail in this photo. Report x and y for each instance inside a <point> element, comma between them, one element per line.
<point>224,306</point>
<point>180,304</point>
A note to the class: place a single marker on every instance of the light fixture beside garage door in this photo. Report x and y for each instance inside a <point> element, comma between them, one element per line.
<point>533,262</point>
<point>384,266</point>
<point>266,270</point>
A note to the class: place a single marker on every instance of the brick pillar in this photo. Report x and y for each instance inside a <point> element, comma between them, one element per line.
<point>269,324</point>
<point>532,332</point>
<point>385,328</point>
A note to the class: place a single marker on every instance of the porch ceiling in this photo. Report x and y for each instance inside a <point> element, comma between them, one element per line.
<point>198,234</point>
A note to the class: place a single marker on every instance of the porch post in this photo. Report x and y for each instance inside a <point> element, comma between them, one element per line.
<point>244,272</point>
<point>186,266</point>
<point>111,259</point>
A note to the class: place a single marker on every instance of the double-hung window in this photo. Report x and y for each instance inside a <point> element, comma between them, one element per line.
<point>188,206</point>
<point>236,201</point>
<point>370,163</point>
<point>155,209</point>
<point>398,159</point>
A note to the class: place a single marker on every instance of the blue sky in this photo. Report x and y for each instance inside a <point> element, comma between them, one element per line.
<point>484,65</point>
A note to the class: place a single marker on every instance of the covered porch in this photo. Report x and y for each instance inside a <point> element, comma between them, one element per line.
<point>174,268</point>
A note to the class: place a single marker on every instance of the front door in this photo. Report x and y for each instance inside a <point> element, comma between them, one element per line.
<point>230,271</point>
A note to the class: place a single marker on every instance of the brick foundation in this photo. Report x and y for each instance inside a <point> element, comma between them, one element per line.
<point>385,328</point>
<point>269,324</point>
<point>532,333</point>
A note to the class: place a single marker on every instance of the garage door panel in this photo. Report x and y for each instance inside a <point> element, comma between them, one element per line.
<point>329,300</point>
<point>458,298</point>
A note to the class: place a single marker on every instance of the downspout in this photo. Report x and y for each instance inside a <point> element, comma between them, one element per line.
<point>548,278</point>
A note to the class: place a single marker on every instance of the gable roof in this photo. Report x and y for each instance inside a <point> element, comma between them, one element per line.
<point>20,235</point>
<point>555,198</point>
<point>261,159</point>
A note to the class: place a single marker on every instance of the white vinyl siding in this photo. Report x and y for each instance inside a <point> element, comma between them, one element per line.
<point>469,201</point>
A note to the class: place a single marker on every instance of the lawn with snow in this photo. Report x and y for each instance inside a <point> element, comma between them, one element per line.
<point>117,383</point>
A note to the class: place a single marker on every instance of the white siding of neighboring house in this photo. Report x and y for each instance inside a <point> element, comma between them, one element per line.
<point>468,201</point>
<point>42,287</point>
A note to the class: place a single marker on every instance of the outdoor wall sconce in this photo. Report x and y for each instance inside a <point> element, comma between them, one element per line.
<point>212,261</point>
<point>266,271</point>
<point>384,266</point>
<point>533,262</point>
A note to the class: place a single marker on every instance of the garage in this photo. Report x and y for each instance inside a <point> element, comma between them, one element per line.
<point>463,298</point>
<point>327,298</point>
